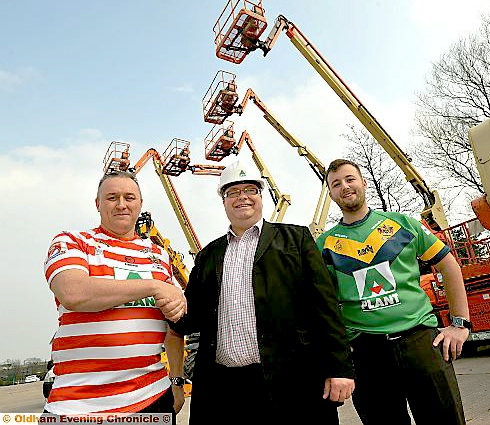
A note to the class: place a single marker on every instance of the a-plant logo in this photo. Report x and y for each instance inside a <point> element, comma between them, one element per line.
<point>376,287</point>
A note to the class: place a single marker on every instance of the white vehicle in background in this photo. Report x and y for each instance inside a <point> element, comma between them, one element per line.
<point>31,378</point>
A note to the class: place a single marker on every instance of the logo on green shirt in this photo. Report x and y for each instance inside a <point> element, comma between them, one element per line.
<point>376,287</point>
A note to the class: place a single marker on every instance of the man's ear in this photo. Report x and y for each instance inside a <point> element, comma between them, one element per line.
<point>97,203</point>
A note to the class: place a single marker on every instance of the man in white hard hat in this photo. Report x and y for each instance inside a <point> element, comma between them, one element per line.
<point>272,346</point>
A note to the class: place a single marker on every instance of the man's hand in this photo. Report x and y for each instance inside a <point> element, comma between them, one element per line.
<point>338,389</point>
<point>171,301</point>
<point>452,339</point>
<point>173,310</point>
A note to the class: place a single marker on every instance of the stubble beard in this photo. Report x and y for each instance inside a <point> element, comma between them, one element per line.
<point>356,204</point>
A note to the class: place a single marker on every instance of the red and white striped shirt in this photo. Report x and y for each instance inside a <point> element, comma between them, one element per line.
<point>108,361</point>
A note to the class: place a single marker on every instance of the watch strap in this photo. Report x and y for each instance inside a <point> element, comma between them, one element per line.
<point>178,381</point>
<point>460,322</point>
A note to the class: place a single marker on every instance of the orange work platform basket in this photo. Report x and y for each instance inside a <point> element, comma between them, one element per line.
<point>176,157</point>
<point>220,99</point>
<point>238,29</point>
<point>116,157</point>
<point>220,142</point>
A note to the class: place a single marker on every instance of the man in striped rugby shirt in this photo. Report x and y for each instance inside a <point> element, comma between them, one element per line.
<point>106,281</point>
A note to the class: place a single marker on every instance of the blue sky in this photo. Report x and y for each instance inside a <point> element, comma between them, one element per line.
<point>76,75</point>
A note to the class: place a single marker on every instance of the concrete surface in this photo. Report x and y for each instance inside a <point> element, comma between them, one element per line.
<point>474,382</point>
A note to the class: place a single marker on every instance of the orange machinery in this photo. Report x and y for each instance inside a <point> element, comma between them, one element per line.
<point>223,89</point>
<point>470,245</point>
<point>220,142</point>
<point>116,158</point>
<point>238,28</point>
<point>234,43</point>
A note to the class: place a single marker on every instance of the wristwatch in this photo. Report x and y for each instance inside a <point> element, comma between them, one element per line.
<point>460,322</point>
<point>178,381</point>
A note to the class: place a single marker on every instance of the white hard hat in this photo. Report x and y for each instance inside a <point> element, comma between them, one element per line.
<point>237,173</point>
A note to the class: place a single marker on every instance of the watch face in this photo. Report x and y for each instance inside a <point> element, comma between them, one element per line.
<point>458,321</point>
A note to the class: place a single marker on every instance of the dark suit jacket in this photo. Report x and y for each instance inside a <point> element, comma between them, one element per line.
<point>300,332</point>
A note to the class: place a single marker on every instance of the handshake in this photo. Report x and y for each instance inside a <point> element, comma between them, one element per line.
<point>171,301</point>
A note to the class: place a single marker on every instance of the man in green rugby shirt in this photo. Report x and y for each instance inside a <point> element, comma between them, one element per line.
<point>399,353</point>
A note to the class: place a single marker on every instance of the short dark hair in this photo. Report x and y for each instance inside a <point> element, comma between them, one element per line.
<point>122,174</point>
<point>337,163</point>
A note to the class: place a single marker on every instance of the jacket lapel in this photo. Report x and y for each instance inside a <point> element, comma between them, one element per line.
<point>219,257</point>
<point>268,233</point>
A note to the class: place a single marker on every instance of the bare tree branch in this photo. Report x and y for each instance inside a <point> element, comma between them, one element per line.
<point>456,97</point>
<point>388,189</point>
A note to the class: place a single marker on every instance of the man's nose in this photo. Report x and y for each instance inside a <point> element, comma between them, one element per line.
<point>121,202</point>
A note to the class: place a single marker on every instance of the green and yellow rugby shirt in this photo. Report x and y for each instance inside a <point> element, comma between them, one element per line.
<point>375,263</point>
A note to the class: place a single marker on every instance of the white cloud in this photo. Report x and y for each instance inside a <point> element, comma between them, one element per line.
<point>446,20</point>
<point>45,190</point>
<point>11,80</point>
<point>186,88</point>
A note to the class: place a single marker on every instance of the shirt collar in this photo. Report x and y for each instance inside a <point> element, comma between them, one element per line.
<point>355,223</point>
<point>231,234</point>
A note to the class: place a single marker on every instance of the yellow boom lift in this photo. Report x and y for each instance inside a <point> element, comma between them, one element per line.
<point>145,227</point>
<point>220,102</point>
<point>174,161</point>
<point>281,200</point>
<point>237,33</point>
